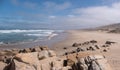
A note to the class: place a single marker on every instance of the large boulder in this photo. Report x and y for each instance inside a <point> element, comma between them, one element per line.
<point>92,62</point>
<point>23,66</point>
<point>29,58</point>
<point>82,65</point>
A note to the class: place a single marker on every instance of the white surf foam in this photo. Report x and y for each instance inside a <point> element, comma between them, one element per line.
<point>23,31</point>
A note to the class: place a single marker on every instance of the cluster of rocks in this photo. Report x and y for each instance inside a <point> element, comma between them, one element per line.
<point>34,49</point>
<point>12,52</point>
<point>84,43</point>
<point>27,61</point>
<point>47,60</point>
<point>42,58</point>
<point>90,46</point>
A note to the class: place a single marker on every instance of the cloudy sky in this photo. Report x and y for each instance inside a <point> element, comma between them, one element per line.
<point>58,13</point>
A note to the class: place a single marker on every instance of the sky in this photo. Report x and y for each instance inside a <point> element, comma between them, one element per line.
<point>58,13</point>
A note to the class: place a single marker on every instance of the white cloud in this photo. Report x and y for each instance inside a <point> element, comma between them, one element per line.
<point>94,16</point>
<point>52,17</point>
<point>98,15</point>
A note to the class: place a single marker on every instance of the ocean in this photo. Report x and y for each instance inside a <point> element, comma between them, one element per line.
<point>22,36</point>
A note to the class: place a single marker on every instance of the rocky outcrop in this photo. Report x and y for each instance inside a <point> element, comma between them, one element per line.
<point>45,59</point>
<point>91,62</point>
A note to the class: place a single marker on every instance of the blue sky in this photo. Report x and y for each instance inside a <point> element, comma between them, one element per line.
<point>61,13</point>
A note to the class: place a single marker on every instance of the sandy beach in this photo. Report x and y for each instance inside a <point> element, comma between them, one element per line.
<point>79,36</point>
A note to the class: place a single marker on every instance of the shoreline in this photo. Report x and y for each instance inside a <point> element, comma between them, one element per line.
<point>49,42</point>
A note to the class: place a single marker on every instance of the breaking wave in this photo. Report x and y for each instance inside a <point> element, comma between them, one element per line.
<point>17,35</point>
<point>23,31</point>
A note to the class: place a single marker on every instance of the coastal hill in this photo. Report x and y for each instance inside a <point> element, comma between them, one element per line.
<point>112,28</point>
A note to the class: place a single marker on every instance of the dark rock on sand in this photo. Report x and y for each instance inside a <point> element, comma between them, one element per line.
<point>75,45</point>
<point>93,41</point>
<point>109,42</point>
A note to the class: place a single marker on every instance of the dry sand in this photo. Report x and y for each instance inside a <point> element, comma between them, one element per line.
<point>113,55</point>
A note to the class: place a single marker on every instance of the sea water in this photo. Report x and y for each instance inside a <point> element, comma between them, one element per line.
<point>20,36</point>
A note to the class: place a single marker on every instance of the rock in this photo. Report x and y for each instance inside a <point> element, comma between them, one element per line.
<point>2,58</point>
<point>97,47</point>
<point>94,66</point>
<point>78,49</point>
<point>47,60</point>
<point>23,66</point>
<point>2,65</point>
<point>92,48</point>
<point>45,66</point>
<point>10,64</point>
<point>65,48</point>
<point>70,62</point>
<point>103,64</point>
<point>15,51</point>
<point>80,44</point>
<point>29,58</point>
<point>73,52</point>
<point>36,49</point>
<point>93,41</point>
<point>51,53</point>
<point>43,54</point>
<point>75,45</point>
<point>109,42</point>
<point>57,65</point>
<point>28,50</point>
<point>105,50</point>
<point>23,51</point>
<point>32,49</point>
<point>44,48</point>
<point>99,64</point>
<point>81,64</point>
<point>66,68</point>
<point>91,62</point>
<point>106,45</point>
<point>66,53</point>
